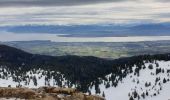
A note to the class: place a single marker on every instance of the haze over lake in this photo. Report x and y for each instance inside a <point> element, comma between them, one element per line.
<point>60,38</point>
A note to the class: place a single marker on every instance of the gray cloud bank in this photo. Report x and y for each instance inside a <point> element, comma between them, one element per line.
<point>5,3</point>
<point>57,12</point>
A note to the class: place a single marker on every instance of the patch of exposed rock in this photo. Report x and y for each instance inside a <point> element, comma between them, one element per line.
<point>45,93</point>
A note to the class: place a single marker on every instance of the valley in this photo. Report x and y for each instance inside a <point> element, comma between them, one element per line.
<point>84,49</point>
<point>98,49</point>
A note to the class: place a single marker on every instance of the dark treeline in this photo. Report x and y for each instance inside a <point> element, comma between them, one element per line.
<point>83,72</point>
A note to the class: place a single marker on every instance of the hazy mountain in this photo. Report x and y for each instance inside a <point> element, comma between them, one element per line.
<point>95,30</point>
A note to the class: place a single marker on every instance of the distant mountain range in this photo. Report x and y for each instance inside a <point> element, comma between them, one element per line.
<point>152,29</point>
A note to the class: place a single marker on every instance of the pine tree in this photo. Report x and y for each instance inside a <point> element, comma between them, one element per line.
<point>131,98</point>
<point>103,94</point>
<point>164,80</point>
<point>143,95</point>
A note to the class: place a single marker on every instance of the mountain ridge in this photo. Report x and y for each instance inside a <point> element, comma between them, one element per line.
<point>150,29</point>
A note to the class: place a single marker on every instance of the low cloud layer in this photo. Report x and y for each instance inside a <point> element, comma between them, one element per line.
<point>5,3</point>
<point>23,3</point>
<point>110,12</point>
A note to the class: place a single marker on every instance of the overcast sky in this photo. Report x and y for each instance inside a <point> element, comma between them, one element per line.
<point>69,12</point>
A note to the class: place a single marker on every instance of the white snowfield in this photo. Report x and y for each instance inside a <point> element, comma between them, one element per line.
<point>129,84</point>
<point>40,81</point>
<point>125,88</point>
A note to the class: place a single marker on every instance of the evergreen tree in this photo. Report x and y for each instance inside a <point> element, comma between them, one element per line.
<point>103,94</point>
<point>131,98</point>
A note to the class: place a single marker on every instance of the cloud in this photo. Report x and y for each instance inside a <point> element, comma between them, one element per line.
<point>162,0</point>
<point>139,11</point>
<point>5,3</point>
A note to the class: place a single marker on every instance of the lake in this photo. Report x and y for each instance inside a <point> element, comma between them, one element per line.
<point>60,38</point>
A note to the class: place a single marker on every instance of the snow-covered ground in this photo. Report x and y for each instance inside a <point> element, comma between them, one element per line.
<point>29,83</point>
<point>145,83</point>
<point>129,84</point>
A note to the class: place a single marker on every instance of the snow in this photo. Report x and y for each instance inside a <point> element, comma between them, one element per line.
<point>164,95</point>
<point>40,80</point>
<point>128,85</point>
<point>6,83</point>
<point>125,87</point>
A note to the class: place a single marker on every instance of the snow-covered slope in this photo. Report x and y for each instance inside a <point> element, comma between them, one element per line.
<point>150,83</point>
<point>144,84</point>
<point>33,79</point>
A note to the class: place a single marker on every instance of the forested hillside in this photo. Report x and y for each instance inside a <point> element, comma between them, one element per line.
<point>81,72</point>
